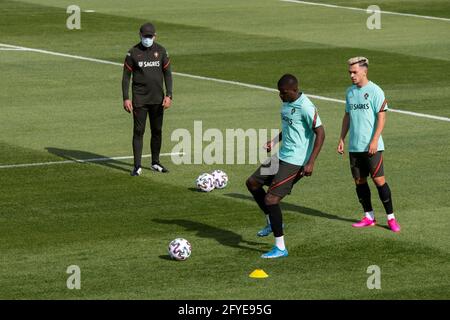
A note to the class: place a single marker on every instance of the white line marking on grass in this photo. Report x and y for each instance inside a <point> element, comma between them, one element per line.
<point>12,49</point>
<point>105,159</point>
<point>62,54</point>
<point>241,84</point>
<point>365,10</point>
<point>236,83</point>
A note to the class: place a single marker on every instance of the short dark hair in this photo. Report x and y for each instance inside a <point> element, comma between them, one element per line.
<point>287,80</point>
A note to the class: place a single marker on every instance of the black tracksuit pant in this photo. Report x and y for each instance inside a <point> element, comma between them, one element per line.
<point>155,113</point>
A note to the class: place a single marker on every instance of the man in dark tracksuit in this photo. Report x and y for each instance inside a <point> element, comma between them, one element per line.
<point>149,64</point>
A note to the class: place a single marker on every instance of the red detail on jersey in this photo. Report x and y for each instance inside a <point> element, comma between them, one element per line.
<point>383,105</point>
<point>127,66</point>
<point>167,64</point>
<point>315,119</point>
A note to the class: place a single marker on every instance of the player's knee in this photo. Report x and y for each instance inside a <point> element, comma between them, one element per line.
<point>271,199</point>
<point>379,181</point>
<point>251,184</point>
<point>138,132</point>
<point>360,180</point>
<point>156,128</point>
<point>156,132</point>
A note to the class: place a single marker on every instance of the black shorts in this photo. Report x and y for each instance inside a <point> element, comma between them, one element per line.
<point>281,182</point>
<point>362,164</point>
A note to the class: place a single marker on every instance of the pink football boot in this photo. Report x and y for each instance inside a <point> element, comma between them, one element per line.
<point>394,225</point>
<point>365,222</point>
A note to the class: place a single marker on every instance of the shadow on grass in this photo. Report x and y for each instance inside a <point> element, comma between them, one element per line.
<point>75,155</point>
<point>224,237</point>
<point>295,208</point>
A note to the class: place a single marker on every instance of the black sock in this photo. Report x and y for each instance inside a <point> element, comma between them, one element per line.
<point>276,219</point>
<point>385,196</point>
<point>259,195</point>
<point>363,192</point>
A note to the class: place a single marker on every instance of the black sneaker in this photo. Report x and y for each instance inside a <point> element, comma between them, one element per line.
<point>156,166</point>
<point>137,171</point>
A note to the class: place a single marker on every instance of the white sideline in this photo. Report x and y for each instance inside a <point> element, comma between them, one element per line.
<point>241,84</point>
<point>365,10</point>
<point>12,49</point>
<point>105,159</point>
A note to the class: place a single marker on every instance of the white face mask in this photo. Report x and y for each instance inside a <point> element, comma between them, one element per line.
<point>147,42</point>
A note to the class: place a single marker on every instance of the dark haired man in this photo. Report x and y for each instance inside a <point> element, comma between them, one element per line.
<point>148,63</point>
<point>302,136</point>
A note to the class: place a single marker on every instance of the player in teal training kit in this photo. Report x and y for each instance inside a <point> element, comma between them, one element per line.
<point>302,136</point>
<point>365,115</point>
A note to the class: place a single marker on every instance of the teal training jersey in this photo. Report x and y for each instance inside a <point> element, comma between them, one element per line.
<point>298,121</point>
<point>363,105</point>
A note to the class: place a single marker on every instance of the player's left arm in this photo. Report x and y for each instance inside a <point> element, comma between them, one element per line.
<point>318,142</point>
<point>313,120</point>
<point>167,72</point>
<point>380,107</point>
<point>381,120</point>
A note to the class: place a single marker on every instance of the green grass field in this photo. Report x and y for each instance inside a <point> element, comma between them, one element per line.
<point>117,228</point>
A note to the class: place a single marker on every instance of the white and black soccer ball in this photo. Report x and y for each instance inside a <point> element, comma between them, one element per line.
<point>205,182</point>
<point>180,249</point>
<point>220,179</point>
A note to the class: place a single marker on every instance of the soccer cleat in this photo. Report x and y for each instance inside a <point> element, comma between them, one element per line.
<point>393,225</point>
<point>137,171</point>
<point>156,166</point>
<point>264,232</point>
<point>365,222</point>
<point>275,253</point>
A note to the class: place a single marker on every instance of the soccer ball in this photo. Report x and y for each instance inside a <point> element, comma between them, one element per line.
<point>220,179</point>
<point>205,182</point>
<point>180,249</point>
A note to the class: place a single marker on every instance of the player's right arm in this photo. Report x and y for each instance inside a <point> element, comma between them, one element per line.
<point>127,71</point>
<point>271,143</point>
<point>345,125</point>
<point>344,130</point>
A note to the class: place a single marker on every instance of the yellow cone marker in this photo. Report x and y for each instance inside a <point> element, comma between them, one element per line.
<point>258,273</point>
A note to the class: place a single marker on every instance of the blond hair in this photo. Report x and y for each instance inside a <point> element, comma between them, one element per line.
<point>362,61</point>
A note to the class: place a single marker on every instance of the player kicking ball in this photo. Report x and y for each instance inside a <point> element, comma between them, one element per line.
<point>365,116</point>
<point>302,136</point>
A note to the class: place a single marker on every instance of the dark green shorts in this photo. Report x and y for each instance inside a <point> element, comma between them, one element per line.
<point>280,182</point>
<point>362,164</point>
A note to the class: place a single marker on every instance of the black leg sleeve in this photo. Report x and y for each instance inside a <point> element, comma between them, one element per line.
<point>276,219</point>
<point>363,192</point>
<point>259,195</point>
<point>385,196</point>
